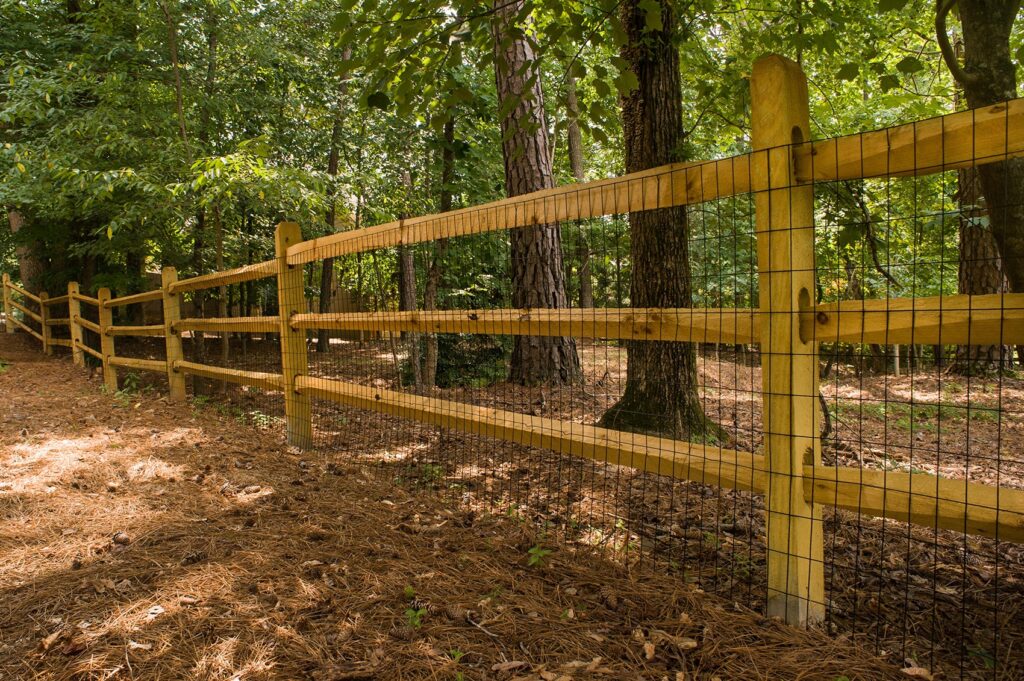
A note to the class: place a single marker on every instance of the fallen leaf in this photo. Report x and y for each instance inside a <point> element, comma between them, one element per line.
<point>154,612</point>
<point>135,645</point>
<point>48,642</point>
<point>509,666</point>
<point>649,651</point>
<point>918,673</point>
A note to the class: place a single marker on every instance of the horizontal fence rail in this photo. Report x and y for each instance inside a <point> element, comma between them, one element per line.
<point>957,140</point>
<point>238,275</point>
<point>135,298</point>
<point>955,319</point>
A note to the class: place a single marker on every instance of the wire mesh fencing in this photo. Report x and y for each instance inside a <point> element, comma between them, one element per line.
<point>789,376</point>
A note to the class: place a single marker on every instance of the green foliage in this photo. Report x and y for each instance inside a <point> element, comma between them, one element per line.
<point>466,360</point>
<point>414,617</point>
<point>537,555</point>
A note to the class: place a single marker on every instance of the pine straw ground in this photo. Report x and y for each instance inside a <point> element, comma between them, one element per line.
<point>143,539</point>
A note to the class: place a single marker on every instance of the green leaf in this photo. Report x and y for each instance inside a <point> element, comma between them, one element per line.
<point>652,14</point>
<point>378,100</point>
<point>910,65</point>
<point>626,82</point>
<point>848,71</point>
<point>889,82</point>
<point>21,167</point>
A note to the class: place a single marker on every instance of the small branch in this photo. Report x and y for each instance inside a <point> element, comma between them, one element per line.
<point>942,9</point>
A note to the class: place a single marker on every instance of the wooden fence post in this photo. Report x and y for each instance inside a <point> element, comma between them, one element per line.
<point>789,352</point>
<point>75,329</point>
<point>106,320</point>
<point>8,319</point>
<point>291,299</point>
<point>172,315</point>
<point>44,316</point>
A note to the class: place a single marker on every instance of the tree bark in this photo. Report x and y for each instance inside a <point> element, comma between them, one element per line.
<point>988,76</point>
<point>333,155</point>
<point>980,272</point>
<point>433,280</point>
<point>575,145</point>
<point>980,269</point>
<point>661,384</point>
<point>538,280</point>
<point>30,267</point>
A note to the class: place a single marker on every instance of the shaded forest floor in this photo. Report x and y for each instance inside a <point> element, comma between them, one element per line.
<point>143,539</point>
<point>920,597</point>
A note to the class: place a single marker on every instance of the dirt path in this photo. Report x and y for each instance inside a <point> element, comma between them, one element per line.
<point>141,539</point>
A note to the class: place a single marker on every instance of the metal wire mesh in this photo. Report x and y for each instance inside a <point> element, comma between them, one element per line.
<point>629,416</point>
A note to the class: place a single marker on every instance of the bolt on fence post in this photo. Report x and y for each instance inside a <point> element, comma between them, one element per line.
<point>106,320</point>
<point>291,299</point>
<point>74,328</point>
<point>44,318</point>
<point>172,315</point>
<point>789,358</point>
<point>8,319</point>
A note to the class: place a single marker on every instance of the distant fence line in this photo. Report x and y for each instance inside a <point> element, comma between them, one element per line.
<point>780,173</point>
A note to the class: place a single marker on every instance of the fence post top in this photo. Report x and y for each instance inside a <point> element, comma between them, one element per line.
<point>775,61</point>
<point>7,277</point>
<point>72,287</point>
<point>287,234</point>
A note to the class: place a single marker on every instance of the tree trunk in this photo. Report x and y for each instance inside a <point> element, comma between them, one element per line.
<point>222,291</point>
<point>327,272</point>
<point>661,385</point>
<point>988,77</point>
<point>575,144</point>
<point>433,281</point>
<point>980,272</point>
<point>199,297</point>
<point>980,268</point>
<point>30,267</point>
<point>537,277</point>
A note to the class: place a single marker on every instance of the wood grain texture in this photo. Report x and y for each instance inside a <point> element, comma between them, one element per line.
<point>291,298</point>
<point>258,379</point>
<point>789,362</point>
<point>959,140</point>
<point>135,298</point>
<point>237,324</point>
<point>75,329</point>
<point>260,270</point>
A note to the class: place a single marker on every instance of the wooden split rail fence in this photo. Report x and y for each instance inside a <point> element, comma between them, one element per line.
<point>780,173</point>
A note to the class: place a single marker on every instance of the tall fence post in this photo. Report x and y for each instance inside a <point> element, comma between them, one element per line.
<point>789,353</point>
<point>106,320</point>
<point>291,299</point>
<point>172,315</point>
<point>74,328</point>
<point>44,326</point>
<point>8,319</point>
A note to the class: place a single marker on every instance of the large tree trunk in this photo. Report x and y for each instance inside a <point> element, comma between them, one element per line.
<point>980,272</point>
<point>980,267</point>
<point>333,155</point>
<point>30,267</point>
<point>433,282</point>
<point>407,293</point>
<point>222,291</point>
<point>575,145</point>
<point>988,76</point>
<point>538,280</point>
<point>661,385</point>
